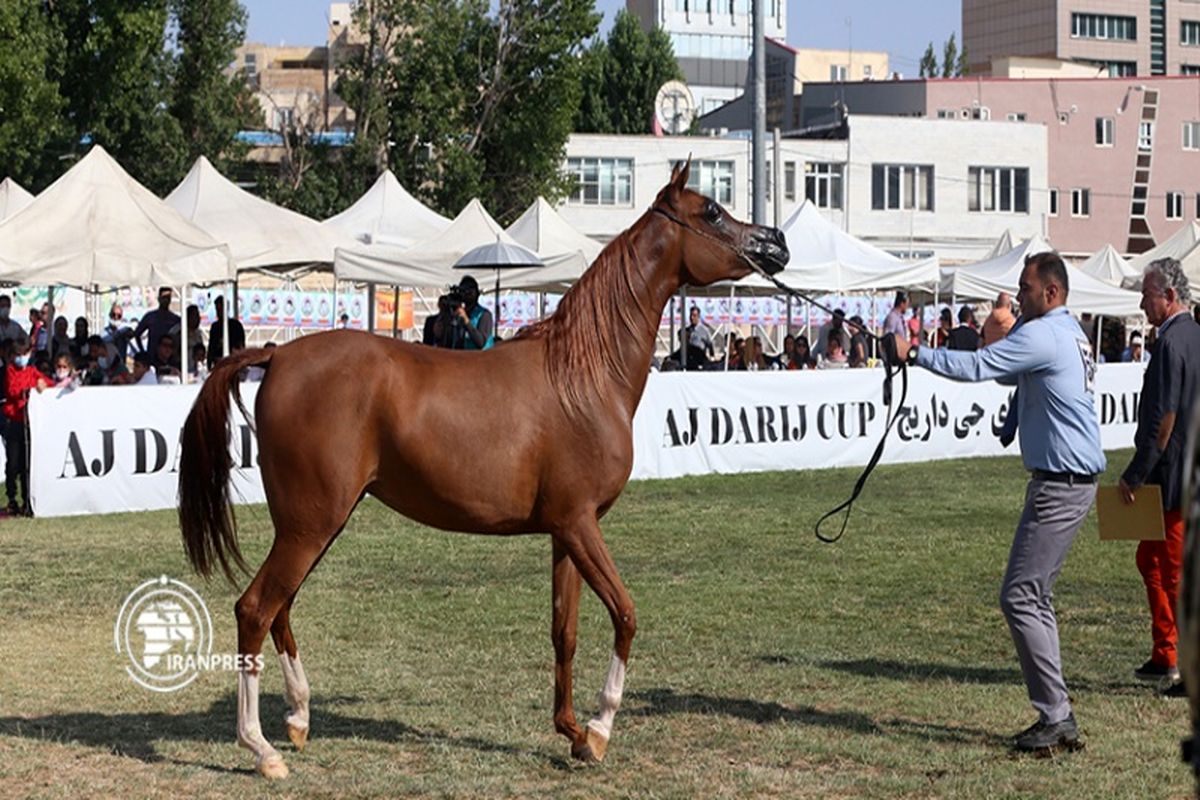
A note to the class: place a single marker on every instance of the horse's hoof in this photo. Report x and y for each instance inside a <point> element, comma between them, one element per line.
<point>581,751</point>
<point>298,735</point>
<point>272,768</point>
<point>597,743</point>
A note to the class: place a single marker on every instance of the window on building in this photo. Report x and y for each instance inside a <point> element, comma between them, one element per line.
<point>1146,136</point>
<point>1189,33</point>
<point>1054,202</point>
<point>946,113</point>
<point>1016,116</point>
<point>284,118</point>
<point>823,184</point>
<point>867,71</point>
<point>981,112</point>
<point>902,186</point>
<point>837,72</point>
<point>1174,205</point>
<point>789,180</point>
<point>1189,69</point>
<point>712,179</point>
<point>601,181</point>
<point>1081,202</point>
<point>1103,26</point>
<point>1191,136</point>
<point>1003,189</point>
<point>1115,69</point>
<point>250,63</point>
<point>1105,131</point>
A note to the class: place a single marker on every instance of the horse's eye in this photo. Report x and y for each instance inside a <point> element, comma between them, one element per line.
<point>712,212</point>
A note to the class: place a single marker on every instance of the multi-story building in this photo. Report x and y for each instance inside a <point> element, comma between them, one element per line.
<point>1124,154</point>
<point>712,41</point>
<point>295,85</point>
<point>911,186</point>
<point>1125,38</point>
<point>787,70</point>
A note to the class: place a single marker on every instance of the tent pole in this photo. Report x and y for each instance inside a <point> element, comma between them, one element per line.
<point>395,310</point>
<point>684,343</point>
<point>370,308</point>
<point>671,335</point>
<point>227,302</point>
<point>333,314</point>
<point>183,336</point>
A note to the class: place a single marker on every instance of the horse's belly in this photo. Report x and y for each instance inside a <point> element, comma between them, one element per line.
<point>470,505</point>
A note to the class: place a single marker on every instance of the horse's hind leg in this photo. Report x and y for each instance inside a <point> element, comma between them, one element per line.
<point>566,583</point>
<point>586,548</point>
<point>295,682</point>
<point>275,584</point>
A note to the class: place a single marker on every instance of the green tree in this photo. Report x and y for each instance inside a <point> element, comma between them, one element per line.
<point>963,67</point>
<point>949,58</point>
<point>31,130</point>
<point>622,76</point>
<point>929,64</point>
<point>210,105</point>
<point>116,82</point>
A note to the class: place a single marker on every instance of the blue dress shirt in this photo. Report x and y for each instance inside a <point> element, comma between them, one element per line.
<point>1050,361</point>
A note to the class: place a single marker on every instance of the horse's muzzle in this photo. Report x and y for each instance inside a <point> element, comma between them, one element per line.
<point>768,250</point>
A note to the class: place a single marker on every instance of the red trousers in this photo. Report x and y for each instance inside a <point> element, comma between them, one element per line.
<point>1160,564</point>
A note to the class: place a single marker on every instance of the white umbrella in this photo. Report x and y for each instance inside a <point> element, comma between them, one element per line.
<point>499,255</point>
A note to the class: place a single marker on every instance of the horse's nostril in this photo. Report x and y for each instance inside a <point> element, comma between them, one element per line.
<point>780,239</point>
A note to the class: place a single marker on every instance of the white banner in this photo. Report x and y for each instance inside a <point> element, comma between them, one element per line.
<point>107,449</point>
<point>698,423</point>
<point>116,448</point>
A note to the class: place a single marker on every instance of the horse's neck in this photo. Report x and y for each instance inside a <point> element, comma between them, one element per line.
<point>655,279</point>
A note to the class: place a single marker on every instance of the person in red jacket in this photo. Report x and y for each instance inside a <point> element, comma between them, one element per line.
<point>20,378</point>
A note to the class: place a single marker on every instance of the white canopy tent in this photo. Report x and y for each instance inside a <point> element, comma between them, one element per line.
<point>986,279</point>
<point>1007,241</point>
<point>427,264</point>
<point>824,258</point>
<point>97,226</point>
<point>1108,266</point>
<point>388,214</point>
<point>566,252</point>
<point>259,234</point>
<point>13,198</point>
<point>1183,242</point>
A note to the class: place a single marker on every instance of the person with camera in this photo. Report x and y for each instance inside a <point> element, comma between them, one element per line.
<point>470,325</point>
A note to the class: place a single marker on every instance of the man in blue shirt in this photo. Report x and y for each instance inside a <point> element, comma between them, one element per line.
<point>1049,360</point>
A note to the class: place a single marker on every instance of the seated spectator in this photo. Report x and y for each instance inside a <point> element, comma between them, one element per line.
<point>143,371</point>
<point>858,342</point>
<point>166,358</point>
<point>1135,352</point>
<point>835,356</point>
<point>803,358</point>
<point>964,337</point>
<point>835,327</point>
<point>37,329</point>
<point>788,354</point>
<point>60,340</point>
<point>752,356</point>
<point>64,375</point>
<point>118,331</point>
<point>198,363</point>
<point>941,334</point>
<point>79,342</point>
<point>736,352</point>
<point>103,366</point>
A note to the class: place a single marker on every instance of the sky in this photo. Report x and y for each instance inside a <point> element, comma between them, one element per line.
<point>903,29</point>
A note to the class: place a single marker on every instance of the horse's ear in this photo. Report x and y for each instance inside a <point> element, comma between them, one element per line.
<point>680,173</point>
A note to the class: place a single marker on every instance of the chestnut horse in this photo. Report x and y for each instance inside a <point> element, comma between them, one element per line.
<point>551,457</point>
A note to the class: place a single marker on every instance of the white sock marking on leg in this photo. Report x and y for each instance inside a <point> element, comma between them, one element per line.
<point>295,689</point>
<point>609,698</point>
<point>249,730</point>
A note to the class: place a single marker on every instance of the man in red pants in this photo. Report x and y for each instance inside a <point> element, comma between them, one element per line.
<point>1169,391</point>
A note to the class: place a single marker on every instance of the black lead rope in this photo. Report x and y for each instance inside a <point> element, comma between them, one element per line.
<point>892,365</point>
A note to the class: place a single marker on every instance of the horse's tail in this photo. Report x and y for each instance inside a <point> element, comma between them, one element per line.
<point>205,512</point>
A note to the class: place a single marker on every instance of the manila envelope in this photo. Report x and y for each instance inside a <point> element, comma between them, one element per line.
<point>1142,521</point>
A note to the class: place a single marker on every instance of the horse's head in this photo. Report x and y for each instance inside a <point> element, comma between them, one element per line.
<point>714,245</point>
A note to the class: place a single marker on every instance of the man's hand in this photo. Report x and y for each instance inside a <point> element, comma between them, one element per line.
<point>902,347</point>
<point>1126,492</point>
<point>462,314</point>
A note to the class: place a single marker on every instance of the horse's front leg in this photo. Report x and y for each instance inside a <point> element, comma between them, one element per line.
<point>587,550</point>
<point>565,621</point>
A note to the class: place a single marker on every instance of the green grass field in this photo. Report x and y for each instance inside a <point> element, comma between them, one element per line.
<point>766,664</point>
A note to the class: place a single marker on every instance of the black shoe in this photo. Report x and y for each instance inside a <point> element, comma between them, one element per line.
<point>1042,736</point>
<point>14,510</point>
<point>1176,689</point>
<point>27,511</point>
<point>1156,673</point>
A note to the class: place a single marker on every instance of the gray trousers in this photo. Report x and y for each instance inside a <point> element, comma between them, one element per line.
<point>1053,515</point>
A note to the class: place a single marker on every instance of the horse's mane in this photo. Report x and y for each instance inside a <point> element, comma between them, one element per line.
<point>583,336</point>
